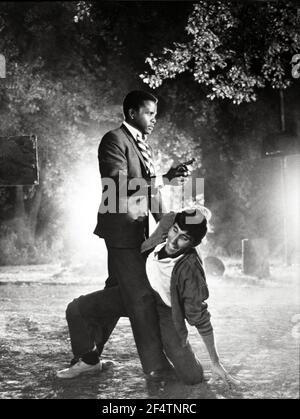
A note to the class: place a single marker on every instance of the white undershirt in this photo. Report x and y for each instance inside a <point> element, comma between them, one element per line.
<point>159,273</point>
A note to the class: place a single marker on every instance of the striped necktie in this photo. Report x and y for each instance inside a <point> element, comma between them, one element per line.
<point>146,153</point>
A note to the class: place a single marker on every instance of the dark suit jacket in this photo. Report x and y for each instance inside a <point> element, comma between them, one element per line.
<point>118,155</point>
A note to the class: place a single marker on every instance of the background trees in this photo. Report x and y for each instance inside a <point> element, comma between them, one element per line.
<point>69,64</point>
<point>238,53</point>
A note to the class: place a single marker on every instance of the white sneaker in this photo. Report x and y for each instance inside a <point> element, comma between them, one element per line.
<point>79,368</point>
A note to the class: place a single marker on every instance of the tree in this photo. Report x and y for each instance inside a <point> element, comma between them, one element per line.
<point>45,93</point>
<point>232,49</point>
<point>236,52</point>
<point>69,64</point>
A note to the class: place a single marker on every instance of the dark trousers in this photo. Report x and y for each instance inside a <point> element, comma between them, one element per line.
<point>89,315</point>
<point>187,366</point>
<point>92,318</point>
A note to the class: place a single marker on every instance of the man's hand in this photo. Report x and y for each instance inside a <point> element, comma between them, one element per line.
<point>218,371</point>
<point>179,171</point>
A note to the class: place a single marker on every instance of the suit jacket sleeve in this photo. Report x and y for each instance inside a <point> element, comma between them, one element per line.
<point>112,158</point>
<point>160,233</point>
<point>113,164</point>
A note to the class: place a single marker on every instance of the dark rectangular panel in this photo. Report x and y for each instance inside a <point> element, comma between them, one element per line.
<point>18,161</point>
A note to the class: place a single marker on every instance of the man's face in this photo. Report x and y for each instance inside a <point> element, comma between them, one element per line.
<point>178,241</point>
<point>144,118</point>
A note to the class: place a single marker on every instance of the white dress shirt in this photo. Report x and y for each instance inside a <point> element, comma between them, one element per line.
<point>133,131</point>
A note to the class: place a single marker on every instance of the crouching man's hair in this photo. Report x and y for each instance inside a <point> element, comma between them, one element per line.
<point>194,223</point>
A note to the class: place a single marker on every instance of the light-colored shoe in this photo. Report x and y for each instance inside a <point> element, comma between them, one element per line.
<point>78,369</point>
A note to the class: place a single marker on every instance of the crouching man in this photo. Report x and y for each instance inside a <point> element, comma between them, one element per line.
<point>176,275</point>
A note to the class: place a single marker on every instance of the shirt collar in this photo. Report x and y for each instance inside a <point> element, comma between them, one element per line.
<point>165,260</point>
<point>133,131</point>
<point>158,247</point>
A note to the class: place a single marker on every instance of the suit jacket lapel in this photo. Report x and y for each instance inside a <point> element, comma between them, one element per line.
<point>132,141</point>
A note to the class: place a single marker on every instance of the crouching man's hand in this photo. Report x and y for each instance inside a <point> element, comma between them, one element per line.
<point>218,371</point>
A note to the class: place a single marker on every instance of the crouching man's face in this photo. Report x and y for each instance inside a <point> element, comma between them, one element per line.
<point>178,241</point>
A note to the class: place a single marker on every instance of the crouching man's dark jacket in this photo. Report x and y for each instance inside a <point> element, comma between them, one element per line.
<point>188,285</point>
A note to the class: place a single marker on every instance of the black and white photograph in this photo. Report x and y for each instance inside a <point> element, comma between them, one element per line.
<point>149,202</point>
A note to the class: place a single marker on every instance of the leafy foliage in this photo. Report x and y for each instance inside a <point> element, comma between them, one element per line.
<point>69,64</point>
<point>232,49</point>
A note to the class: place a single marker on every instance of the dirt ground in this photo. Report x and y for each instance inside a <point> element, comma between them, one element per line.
<point>256,323</point>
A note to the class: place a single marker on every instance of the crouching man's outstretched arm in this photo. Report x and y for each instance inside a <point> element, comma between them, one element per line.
<point>194,291</point>
<point>217,368</point>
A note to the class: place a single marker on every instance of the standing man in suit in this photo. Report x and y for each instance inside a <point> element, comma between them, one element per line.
<point>125,159</point>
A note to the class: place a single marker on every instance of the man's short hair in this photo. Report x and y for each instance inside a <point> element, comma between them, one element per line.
<point>135,99</point>
<point>194,223</point>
